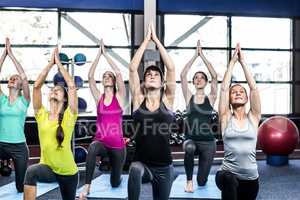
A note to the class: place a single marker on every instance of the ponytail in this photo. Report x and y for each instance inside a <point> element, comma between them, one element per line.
<point>60,132</point>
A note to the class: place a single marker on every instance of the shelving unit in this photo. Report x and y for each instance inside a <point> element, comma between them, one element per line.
<point>70,66</point>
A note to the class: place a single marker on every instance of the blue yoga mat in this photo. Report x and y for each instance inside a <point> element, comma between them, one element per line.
<point>9,191</point>
<point>209,191</point>
<point>102,189</point>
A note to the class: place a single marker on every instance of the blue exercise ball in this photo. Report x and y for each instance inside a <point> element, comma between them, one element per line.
<point>80,154</point>
<point>82,105</point>
<point>78,81</point>
<point>80,59</point>
<point>64,59</point>
<point>58,79</point>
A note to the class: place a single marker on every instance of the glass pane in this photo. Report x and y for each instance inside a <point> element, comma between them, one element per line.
<point>28,27</point>
<point>217,58</point>
<point>275,98</point>
<point>103,66</point>
<point>33,60</point>
<point>266,66</point>
<point>213,33</point>
<point>257,32</point>
<point>114,28</point>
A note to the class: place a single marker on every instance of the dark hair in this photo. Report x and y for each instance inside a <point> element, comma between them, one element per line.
<point>200,72</point>
<point>157,69</point>
<point>114,80</point>
<point>60,132</point>
<point>154,68</point>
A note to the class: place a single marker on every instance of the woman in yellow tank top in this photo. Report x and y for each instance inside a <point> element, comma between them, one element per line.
<point>55,129</point>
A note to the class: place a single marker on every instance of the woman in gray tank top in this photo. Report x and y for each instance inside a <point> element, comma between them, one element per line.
<point>238,176</point>
<point>198,129</point>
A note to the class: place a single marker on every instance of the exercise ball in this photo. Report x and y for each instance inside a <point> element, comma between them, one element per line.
<point>78,81</point>
<point>64,59</point>
<point>82,105</point>
<point>58,79</point>
<point>278,137</point>
<point>80,154</point>
<point>79,59</point>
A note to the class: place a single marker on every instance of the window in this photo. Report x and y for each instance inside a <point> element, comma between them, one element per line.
<point>114,28</point>
<point>29,27</point>
<point>270,67</point>
<point>77,32</point>
<point>258,32</point>
<point>185,30</point>
<point>267,55</point>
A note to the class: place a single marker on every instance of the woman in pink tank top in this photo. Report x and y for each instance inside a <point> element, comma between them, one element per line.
<point>109,136</point>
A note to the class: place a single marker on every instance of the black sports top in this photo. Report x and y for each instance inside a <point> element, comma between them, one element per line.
<point>152,137</point>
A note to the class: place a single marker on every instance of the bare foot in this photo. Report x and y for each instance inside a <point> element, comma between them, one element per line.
<point>82,196</point>
<point>84,193</point>
<point>189,186</point>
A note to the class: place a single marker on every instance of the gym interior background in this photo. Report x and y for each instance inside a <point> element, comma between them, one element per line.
<point>269,32</point>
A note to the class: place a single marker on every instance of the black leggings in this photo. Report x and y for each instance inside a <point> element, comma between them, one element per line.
<point>161,179</point>
<point>19,154</point>
<point>116,158</point>
<point>43,173</point>
<point>206,151</point>
<point>235,189</point>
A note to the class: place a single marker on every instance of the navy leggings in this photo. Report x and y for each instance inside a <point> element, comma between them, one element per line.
<point>236,189</point>
<point>206,151</point>
<point>43,173</point>
<point>161,179</point>
<point>116,158</point>
<point>19,154</point>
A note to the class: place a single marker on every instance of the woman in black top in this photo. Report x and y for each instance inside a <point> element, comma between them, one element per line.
<point>152,116</point>
<point>199,138</point>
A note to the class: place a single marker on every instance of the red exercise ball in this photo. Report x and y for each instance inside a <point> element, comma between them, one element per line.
<point>278,136</point>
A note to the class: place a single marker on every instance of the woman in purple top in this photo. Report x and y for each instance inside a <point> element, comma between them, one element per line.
<point>109,136</point>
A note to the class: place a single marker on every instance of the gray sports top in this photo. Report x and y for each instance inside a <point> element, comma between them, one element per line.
<point>240,150</point>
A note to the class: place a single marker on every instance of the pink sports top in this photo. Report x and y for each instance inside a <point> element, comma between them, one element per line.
<point>109,124</point>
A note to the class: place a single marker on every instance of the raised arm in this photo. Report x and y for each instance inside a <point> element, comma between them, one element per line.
<point>2,59</point>
<point>214,80</point>
<point>92,82</point>
<point>183,77</point>
<point>255,105</point>
<point>25,85</point>
<point>72,91</point>
<point>170,72</point>
<point>134,80</point>
<point>37,93</point>
<point>224,109</point>
<point>119,80</point>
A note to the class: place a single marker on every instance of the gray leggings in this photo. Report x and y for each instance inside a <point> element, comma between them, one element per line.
<point>43,173</point>
<point>161,179</point>
<point>206,151</point>
<point>19,154</point>
<point>116,158</point>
